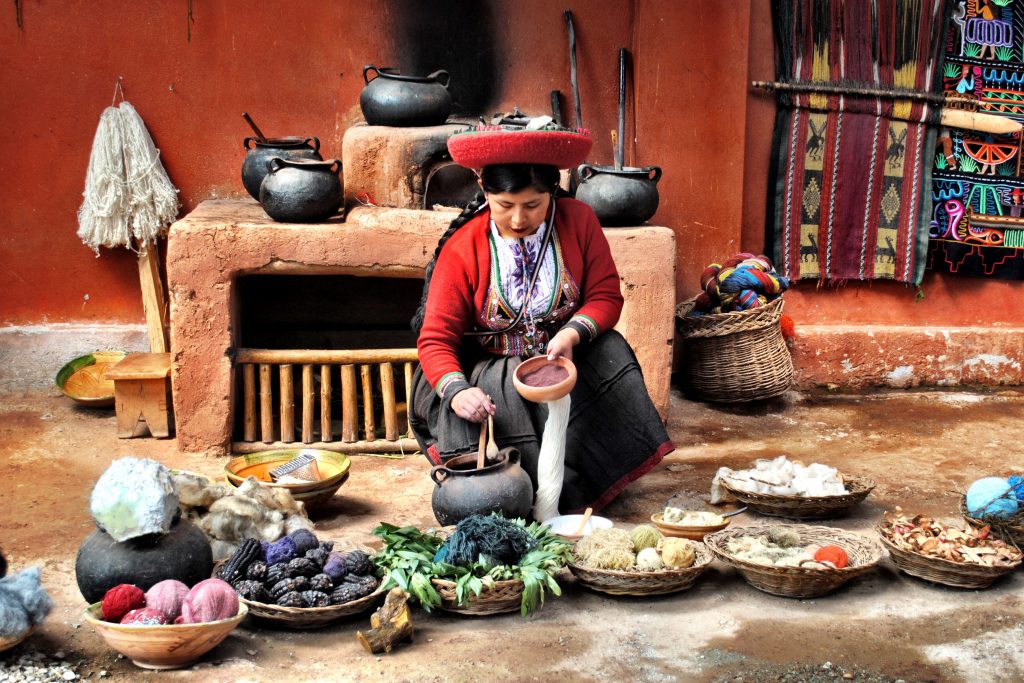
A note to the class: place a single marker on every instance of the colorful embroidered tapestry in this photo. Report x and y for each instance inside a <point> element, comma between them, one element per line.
<point>851,167</point>
<point>977,227</point>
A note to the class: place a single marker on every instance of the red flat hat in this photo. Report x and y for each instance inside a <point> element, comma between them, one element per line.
<point>487,145</point>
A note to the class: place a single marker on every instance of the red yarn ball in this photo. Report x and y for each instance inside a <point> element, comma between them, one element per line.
<point>120,600</point>
<point>147,616</point>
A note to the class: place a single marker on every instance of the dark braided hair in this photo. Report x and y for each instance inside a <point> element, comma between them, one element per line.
<point>497,178</point>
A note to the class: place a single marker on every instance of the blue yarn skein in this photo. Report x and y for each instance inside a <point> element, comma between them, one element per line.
<point>1017,482</point>
<point>991,497</point>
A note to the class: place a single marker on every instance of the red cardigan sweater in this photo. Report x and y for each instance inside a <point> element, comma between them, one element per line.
<point>458,289</point>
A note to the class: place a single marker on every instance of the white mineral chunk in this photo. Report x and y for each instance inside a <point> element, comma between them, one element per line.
<point>134,497</point>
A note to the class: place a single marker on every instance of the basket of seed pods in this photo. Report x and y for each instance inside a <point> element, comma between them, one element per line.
<point>301,582</point>
<point>946,554</point>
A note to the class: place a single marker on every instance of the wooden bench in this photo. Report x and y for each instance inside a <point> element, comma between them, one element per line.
<point>142,393</point>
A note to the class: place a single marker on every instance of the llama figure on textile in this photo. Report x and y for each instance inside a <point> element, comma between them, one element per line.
<point>886,253</point>
<point>809,252</point>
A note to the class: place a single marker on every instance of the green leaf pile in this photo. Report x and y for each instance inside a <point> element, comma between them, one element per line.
<point>408,560</point>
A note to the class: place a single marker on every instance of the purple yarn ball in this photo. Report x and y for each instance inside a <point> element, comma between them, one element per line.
<point>282,550</point>
<point>304,540</point>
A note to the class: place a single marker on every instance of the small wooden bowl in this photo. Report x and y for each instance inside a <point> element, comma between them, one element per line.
<point>84,378</point>
<point>552,392</point>
<point>694,533</point>
<point>171,646</point>
<point>333,467</point>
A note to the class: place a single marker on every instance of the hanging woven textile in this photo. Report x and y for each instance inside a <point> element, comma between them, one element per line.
<point>977,225</point>
<point>851,173</point>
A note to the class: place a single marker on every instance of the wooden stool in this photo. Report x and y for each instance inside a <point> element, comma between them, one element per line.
<point>141,390</point>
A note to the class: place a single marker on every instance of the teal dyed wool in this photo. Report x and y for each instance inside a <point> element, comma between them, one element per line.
<point>991,497</point>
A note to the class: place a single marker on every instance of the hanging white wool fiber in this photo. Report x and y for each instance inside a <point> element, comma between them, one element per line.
<point>127,192</point>
<point>551,461</point>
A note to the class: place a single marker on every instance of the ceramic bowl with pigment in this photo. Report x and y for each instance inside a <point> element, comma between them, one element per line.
<point>540,380</point>
<point>567,526</point>
<point>84,378</point>
<point>694,532</point>
<point>333,468</point>
<point>170,646</point>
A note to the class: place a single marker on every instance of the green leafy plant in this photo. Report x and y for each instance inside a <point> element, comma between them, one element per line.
<point>1004,54</point>
<point>968,165</point>
<point>408,560</point>
<point>950,70</point>
<point>972,49</point>
<point>940,162</point>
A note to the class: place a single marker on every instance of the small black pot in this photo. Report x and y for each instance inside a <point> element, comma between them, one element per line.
<point>183,553</point>
<point>254,168</point>
<point>301,190</point>
<point>619,196</point>
<point>391,99</point>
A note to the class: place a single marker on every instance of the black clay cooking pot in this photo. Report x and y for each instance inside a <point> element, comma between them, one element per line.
<point>183,553</point>
<point>619,196</point>
<point>391,99</point>
<point>258,152</point>
<point>301,190</point>
<point>463,490</point>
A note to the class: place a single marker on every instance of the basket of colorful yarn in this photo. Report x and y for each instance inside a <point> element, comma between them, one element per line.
<point>732,334</point>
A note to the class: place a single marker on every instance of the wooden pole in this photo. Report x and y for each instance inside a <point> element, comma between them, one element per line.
<point>153,303</point>
<point>249,398</point>
<point>325,402</point>
<point>287,404</point>
<point>336,356</point>
<point>348,404</point>
<point>408,397</point>
<point>368,422</point>
<point>307,403</point>
<point>266,405</point>
<point>387,390</point>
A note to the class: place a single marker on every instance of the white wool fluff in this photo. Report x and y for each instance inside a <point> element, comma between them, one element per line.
<point>781,477</point>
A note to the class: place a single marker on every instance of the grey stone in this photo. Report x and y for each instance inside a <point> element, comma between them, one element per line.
<point>134,497</point>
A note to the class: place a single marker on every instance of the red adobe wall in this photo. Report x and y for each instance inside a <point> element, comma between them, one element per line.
<point>297,70</point>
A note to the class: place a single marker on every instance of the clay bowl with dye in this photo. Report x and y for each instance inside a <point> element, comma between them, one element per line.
<point>333,469</point>
<point>168,646</point>
<point>84,378</point>
<point>695,530</point>
<point>541,380</point>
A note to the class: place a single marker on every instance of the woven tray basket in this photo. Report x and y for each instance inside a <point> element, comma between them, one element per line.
<point>505,596</point>
<point>6,643</point>
<point>308,617</point>
<point>735,357</point>
<point>660,582</point>
<point>1004,531</point>
<point>800,582</point>
<point>806,507</point>
<point>940,570</point>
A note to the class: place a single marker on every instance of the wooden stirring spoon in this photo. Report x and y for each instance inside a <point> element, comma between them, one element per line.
<point>583,522</point>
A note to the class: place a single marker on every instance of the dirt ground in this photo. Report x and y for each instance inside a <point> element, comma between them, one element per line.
<point>921,448</point>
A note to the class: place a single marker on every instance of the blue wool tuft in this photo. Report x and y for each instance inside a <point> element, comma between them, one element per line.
<point>991,497</point>
<point>304,540</point>
<point>282,551</point>
<point>23,603</point>
<point>1017,482</point>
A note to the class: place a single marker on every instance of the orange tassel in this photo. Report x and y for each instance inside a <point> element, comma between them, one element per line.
<point>788,328</point>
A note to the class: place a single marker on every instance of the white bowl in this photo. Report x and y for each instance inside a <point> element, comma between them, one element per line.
<point>566,526</point>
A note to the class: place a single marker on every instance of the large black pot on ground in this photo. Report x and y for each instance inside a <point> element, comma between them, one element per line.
<point>463,490</point>
<point>258,152</point>
<point>301,190</point>
<point>102,563</point>
<point>619,196</point>
<point>391,99</point>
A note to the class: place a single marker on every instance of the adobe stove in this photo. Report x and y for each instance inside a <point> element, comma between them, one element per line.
<point>293,334</point>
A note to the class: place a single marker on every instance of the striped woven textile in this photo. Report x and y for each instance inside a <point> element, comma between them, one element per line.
<point>977,225</point>
<point>852,174</point>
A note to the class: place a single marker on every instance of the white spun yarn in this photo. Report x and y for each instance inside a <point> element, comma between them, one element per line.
<point>127,192</point>
<point>551,461</point>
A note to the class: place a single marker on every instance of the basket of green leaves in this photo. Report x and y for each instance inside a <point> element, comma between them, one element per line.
<point>485,565</point>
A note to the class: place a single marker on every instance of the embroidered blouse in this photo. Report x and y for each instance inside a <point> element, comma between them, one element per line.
<point>475,283</point>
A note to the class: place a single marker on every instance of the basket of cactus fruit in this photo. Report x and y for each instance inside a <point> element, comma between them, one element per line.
<point>641,562</point>
<point>300,581</point>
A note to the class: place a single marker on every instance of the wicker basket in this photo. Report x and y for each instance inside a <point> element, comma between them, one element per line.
<point>7,643</point>
<point>644,583</point>
<point>1001,529</point>
<point>800,582</point>
<point>504,596</point>
<point>940,570</point>
<point>806,507</point>
<point>735,357</point>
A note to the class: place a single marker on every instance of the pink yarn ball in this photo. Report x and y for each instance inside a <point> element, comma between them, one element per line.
<point>147,616</point>
<point>209,600</point>
<point>167,597</point>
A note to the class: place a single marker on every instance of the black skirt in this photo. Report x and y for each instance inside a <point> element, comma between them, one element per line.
<point>614,436</point>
